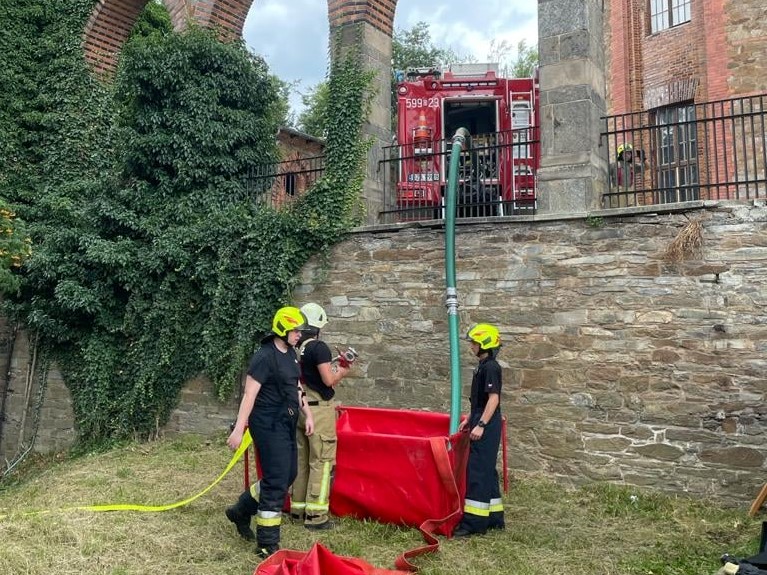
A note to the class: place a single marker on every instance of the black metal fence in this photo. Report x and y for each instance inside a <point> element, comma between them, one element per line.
<point>715,150</point>
<point>279,183</point>
<point>497,177</point>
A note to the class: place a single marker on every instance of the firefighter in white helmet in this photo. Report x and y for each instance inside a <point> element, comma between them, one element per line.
<point>320,375</point>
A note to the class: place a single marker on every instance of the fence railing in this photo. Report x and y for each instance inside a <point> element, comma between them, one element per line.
<point>714,150</point>
<point>497,177</point>
<point>279,183</point>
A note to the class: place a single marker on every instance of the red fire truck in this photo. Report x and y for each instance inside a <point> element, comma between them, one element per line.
<point>498,172</point>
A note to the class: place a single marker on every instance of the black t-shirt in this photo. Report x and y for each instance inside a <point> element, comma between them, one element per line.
<point>486,380</point>
<point>316,353</point>
<point>278,374</point>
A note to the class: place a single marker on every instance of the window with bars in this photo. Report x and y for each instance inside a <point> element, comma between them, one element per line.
<point>290,183</point>
<point>677,153</point>
<point>668,13</point>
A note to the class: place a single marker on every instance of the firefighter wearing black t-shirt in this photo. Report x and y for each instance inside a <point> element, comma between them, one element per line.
<point>309,498</point>
<point>483,507</point>
<point>270,406</point>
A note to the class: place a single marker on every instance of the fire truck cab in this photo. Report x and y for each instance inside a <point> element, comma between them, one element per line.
<point>501,115</point>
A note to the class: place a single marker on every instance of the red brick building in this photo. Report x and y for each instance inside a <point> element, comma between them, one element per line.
<point>663,52</point>
<point>301,165</point>
<point>685,85</point>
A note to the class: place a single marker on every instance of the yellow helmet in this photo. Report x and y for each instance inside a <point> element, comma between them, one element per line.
<point>625,147</point>
<point>485,335</point>
<point>288,319</point>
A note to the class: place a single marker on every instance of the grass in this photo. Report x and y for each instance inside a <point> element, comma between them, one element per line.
<point>551,530</point>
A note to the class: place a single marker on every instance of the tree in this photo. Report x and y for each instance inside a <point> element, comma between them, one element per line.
<point>154,19</point>
<point>526,62</point>
<point>313,119</point>
<point>414,48</point>
<point>523,66</point>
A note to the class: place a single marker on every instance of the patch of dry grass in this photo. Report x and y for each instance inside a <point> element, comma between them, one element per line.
<point>688,243</point>
<point>551,530</point>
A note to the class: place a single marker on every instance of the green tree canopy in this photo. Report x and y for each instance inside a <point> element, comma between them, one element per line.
<point>154,19</point>
<point>413,47</point>
<point>153,257</point>
<point>313,119</point>
<point>520,66</point>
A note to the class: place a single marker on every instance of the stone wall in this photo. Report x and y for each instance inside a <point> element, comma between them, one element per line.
<point>618,365</point>
<point>31,418</point>
<point>42,421</point>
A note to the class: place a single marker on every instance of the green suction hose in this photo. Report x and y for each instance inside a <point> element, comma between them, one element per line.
<point>460,141</point>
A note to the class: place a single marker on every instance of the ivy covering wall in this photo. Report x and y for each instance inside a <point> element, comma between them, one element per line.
<point>137,253</point>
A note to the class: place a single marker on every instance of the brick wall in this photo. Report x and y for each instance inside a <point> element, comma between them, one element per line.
<point>377,13</point>
<point>299,167</point>
<point>107,30</point>
<point>718,54</point>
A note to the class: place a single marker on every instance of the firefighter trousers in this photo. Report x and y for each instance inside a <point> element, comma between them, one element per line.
<point>310,495</point>
<point>274,435</point>
<point>483,506</point>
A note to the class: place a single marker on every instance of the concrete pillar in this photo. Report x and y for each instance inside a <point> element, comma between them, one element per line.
<point>573,172</point>
<point>376,55</point>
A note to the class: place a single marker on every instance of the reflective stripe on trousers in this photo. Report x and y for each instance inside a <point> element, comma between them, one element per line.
<point>274,435</point>
<point>316,459</point>
<point>483,494</point>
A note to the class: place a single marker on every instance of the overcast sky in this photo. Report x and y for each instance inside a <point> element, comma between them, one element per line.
<point>293,36</point>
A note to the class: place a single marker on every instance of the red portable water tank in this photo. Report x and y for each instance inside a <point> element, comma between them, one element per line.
<point>399,466</point>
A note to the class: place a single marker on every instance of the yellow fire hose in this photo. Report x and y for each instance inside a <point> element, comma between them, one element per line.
<point>246,441</point>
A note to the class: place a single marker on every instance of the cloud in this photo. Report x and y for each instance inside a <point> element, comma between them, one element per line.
<point>293,36</point>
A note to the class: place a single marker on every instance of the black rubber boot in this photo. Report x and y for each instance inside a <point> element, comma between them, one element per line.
<point>320,526</point>
<point>240,514</point>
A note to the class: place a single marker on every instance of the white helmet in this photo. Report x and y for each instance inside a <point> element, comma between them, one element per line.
<point>315,315</point>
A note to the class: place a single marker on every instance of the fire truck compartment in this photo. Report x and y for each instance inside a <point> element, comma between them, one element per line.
<point>479,116</point>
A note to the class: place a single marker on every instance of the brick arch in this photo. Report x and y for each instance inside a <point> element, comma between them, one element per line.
<point>111,21</point>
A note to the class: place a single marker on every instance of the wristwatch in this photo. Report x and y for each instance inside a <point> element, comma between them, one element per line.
<point>481,424</point>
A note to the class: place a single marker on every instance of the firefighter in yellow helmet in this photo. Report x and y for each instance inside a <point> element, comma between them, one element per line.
<point>625,152</point>
<point>270,406</point>
<point>310,495</point>
<point>483,507</point>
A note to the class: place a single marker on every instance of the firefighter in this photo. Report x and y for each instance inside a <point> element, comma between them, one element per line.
<point>629,164</point>
<point>309,500</point>
<point>270,406</point>
<point>625,165</point>
<point>483,507</point>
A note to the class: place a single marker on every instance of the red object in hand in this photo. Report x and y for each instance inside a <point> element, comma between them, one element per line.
<point>346,358</point>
